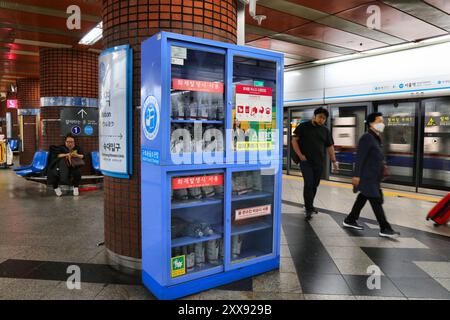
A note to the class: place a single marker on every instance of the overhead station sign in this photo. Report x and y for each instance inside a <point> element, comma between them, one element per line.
<point>115,112</point>
<point>81,122</point>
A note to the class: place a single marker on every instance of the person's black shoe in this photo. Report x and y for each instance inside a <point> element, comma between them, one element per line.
<point>389,234</point>
<point>308,215</point>
<point>315,210</point>
<point>352,225</point>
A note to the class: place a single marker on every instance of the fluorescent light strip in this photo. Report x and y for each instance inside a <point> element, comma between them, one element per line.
<point>390,48</point>
<point>437,39</point>
<point>25,53</point>
<point>41,43</point>
<point>93,36</point>
<point>340,58</point>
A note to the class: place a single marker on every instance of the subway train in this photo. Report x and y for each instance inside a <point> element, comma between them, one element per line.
<point>399,146</point>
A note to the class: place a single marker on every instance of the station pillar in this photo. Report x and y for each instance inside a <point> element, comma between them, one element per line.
<point>131,22</point>
<point>68,79</point>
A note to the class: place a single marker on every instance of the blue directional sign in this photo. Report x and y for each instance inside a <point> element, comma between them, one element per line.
<point>79,121</point>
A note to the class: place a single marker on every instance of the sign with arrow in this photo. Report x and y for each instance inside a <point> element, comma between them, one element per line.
<point>115,112</point>
<point>81,122</point>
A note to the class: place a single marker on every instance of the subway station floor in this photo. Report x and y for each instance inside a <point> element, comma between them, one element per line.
<point>41,235</point>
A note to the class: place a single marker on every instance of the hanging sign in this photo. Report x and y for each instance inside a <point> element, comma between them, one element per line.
<point>253,103</point>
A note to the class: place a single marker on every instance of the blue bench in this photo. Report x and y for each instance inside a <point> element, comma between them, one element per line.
<point>37,167</point>
<point>35,171</point>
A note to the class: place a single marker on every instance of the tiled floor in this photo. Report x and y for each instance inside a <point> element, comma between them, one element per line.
<point>41,235</point>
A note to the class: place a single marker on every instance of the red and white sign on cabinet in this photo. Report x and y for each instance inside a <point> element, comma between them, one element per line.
<point>253,103</point>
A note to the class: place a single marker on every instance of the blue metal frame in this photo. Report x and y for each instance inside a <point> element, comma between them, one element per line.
<point>129,112</point>
<point>156,177</point>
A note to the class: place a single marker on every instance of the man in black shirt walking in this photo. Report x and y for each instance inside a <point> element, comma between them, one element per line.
<point>309,143</point>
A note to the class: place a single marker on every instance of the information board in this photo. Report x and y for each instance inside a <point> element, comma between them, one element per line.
<point>82,122</point>
<point>115,111</point>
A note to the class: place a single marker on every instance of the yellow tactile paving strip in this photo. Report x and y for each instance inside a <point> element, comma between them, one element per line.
<point>386,192</point>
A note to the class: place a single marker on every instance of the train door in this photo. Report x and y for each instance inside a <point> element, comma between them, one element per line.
<point>399,140</point>
<point>347,126</point>
<point>435,144</point>
<point>297,116</point>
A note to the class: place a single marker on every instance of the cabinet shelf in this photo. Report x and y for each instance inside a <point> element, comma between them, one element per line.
<point>195,203</point>
<point>198,121</point>
<point>249,255</point>
<point>252,195</point>
<point>184,241</point>
<point>241,229</point>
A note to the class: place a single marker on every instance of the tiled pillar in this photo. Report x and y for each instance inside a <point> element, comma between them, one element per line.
<point>28,99</point>
<point>131,22</point>
<point>66,73</point>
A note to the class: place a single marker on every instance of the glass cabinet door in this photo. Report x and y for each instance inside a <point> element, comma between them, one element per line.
<point>197,95</point>
<point>252,214</point>
<point>197,211</point>
<point>254,104</point>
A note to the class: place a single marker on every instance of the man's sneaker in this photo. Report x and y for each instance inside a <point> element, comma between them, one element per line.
<point>58,192</point>
<point>389,234</point>
<point>76,192</point>
<point>308,215</point>
<point>353,225</point>
<point>315,210</point>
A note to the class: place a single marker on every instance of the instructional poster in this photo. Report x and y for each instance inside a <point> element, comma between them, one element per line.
<point>114,111</point>
<point>254,110</point>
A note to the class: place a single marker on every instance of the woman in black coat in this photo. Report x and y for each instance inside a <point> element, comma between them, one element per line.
<point>368,174</point>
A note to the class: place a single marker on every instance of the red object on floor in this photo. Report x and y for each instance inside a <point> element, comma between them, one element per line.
<point>84,189</point>
<point>440,214</point>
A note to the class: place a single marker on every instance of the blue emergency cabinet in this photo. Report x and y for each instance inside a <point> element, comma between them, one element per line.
<point>211,163</point>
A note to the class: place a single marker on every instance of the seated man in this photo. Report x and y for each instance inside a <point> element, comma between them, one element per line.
<point>64,165</point>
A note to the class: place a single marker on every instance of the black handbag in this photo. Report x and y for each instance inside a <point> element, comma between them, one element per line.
<point>76,162</point>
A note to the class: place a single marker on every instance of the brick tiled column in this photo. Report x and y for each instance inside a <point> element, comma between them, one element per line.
<point>66,73</point>
<point>131,22</point>
<point>28,97</point>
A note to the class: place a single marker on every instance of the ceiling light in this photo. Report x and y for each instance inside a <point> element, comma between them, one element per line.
<point>93,36</point>
<point>390,48</point>
<point>437,39</point>
<point>41,43</point>
<point>340,58</point>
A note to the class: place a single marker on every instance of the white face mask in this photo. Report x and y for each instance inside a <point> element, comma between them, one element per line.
<point>379,127</point>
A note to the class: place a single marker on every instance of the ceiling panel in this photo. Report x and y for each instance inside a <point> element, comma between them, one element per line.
<point>394,22</point>
<point>276,20</point>
<point>42,21</point>
<point>282,46</point>
<point>330,6</point>
<point>443,5</point>
<point>290,62</point>
<point>252,36</point>
<point>422,11</point>
<point>319,32</point>
<point>87,7</point>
